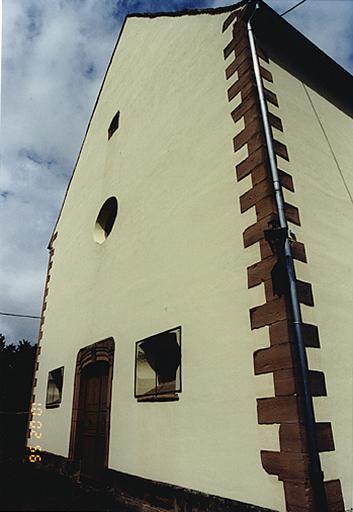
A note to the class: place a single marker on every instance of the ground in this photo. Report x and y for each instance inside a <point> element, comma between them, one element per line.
<point>25,488</point>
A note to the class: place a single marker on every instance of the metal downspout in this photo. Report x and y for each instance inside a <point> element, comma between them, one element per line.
<point>316,473</point>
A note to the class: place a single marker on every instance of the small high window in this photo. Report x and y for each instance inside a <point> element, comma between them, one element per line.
<point>114,125</point>
<point>54,388</point>
<point>158,366</point>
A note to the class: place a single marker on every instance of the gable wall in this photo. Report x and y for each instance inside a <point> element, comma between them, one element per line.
<point>175,257</point>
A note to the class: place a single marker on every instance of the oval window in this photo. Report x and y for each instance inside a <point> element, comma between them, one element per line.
<point>106,219</point>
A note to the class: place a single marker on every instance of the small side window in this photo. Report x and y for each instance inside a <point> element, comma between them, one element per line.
<point>114,125</point>
<point>54,388</point>
<point>158,367</point>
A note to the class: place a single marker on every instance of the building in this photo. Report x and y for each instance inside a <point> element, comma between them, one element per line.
<point>172,356</point>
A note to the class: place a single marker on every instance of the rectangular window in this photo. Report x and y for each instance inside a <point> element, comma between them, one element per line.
<point>54,388</point>
<point>158,366</point>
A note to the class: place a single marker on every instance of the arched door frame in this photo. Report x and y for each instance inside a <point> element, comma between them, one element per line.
<point>101,351</point>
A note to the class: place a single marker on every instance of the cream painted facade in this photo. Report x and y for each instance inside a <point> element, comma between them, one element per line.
<point>178,225</point>
<point>175,257</point>
<point>319,138</point>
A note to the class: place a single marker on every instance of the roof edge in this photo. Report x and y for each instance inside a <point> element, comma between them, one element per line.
<point>188,12</point>
<point>291,49</point>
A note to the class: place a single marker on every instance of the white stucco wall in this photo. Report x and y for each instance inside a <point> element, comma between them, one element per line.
<point>326,212</point>
<point>175,257</point>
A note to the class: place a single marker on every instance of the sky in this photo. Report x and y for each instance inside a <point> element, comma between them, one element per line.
<point>54,55</point>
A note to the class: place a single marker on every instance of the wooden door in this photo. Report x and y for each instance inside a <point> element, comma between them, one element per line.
<point>91,439</point>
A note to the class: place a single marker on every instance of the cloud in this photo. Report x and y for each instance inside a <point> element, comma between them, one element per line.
<point>327,23</point>
<point>28,202</point>
<point>54,57</point>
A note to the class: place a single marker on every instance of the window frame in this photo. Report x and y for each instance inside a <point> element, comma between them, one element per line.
<point>54,405</point>
<point>161,396</point>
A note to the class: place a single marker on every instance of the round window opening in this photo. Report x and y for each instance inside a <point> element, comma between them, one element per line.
<point>106,219</point>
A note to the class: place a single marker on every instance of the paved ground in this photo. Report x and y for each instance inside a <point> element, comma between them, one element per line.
<point>24,488</point>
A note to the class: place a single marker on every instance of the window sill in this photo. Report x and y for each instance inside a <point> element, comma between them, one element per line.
<point>52,406</point>
<point>167,397</point>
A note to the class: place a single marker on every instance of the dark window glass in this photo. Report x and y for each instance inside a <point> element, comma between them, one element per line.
<point>105,220</point>
<point>158,364</point>
<point>55,387</point>
<point>114,125</point>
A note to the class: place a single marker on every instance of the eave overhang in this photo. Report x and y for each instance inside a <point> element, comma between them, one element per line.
<point>294,52</point>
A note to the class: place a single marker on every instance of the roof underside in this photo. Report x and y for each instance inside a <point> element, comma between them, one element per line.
<point>294,52</point>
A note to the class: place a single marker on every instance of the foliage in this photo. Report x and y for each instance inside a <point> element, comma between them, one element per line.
<point>16,374</point>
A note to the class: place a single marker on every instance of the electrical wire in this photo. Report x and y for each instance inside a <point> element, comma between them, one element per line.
<point>18,315</point>
<point>345,184</point>
<point>292,8</point>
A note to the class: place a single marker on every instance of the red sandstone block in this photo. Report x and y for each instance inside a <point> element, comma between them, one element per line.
<point>268,313</point>
<point>277,357</point>
<point>277,410</point>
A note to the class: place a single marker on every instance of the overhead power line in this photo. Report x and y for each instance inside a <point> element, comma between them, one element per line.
<point>19,316</point>
<point>292,8</point>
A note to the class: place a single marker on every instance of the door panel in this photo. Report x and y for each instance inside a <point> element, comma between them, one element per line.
<point>92,420</point>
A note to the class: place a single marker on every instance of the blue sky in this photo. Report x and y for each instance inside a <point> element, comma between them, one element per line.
<point>54,55</point>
